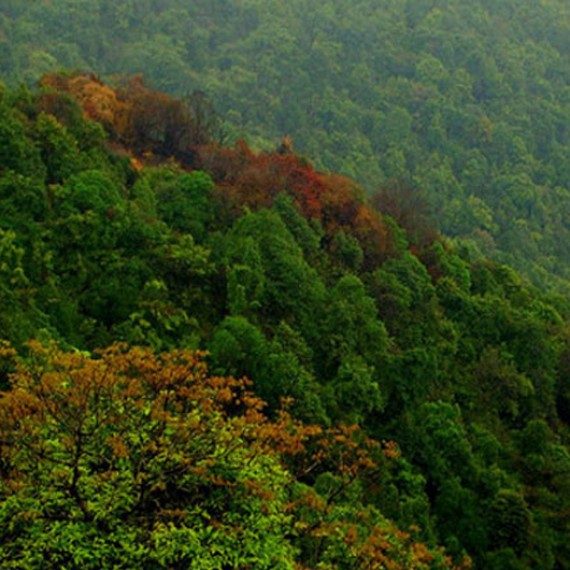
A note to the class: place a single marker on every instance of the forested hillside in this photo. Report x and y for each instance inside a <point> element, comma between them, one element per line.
<point>467,101</point>
<point>122,220</point>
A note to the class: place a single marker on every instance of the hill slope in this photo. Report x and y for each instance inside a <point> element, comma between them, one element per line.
<point>467,100</point>
<point>128,229</point>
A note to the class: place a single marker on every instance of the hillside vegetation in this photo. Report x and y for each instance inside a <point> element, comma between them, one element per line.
<point>468,101</point>
<point>118,225</point>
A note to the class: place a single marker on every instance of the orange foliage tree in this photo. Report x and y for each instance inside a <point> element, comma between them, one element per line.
<point>139,460</point>
<point>146,122</point>
<point>154,126</point>
<point>250,180</point>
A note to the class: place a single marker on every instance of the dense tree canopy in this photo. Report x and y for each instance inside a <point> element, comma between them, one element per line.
<point>134,460</point>
<point>291,277</point>
<point>466,100</point>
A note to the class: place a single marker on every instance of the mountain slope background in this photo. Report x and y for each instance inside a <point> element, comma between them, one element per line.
<point>119,225</point>
<point>124,219</point>
<point>467,101</point>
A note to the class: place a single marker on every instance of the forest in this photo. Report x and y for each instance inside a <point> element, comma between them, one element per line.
<point>124,222</point>
<point>467,101</point>
<point>218,354</point>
